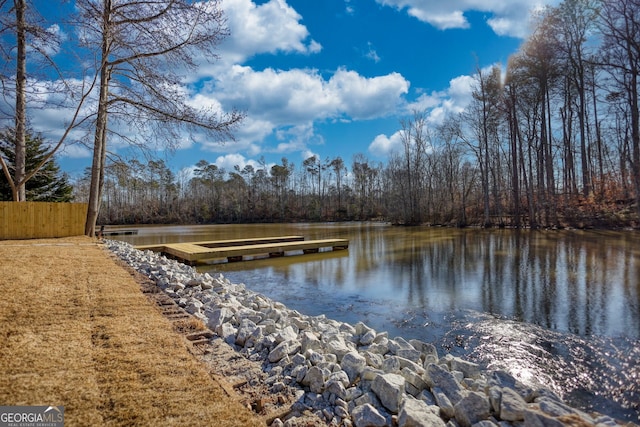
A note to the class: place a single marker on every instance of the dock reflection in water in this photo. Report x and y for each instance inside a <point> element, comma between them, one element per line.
<point>560,308</point>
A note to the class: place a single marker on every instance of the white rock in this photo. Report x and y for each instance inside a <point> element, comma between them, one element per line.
<point>443,402</point>
<point>300,324</point>
<point>391,365</point>
<point>538,419</point>
<point>313,356</point>
<point>286,334</point>
<point>310,341</point>
<point>362,328</point>
<point>368,337</point>
<point>428,350</point>
<point>300,374</point>
<point>280,351</point>
<point>414,379</point>
<point>194,306</point>
<point>246,329</point>
<point>373,359</point>
<point>512,406</point>
<point>353,364</point>
<point>399,343</point>
<point>337,346</point>
<point>314,380</point>
<point>379,347</point>
<point>254,339</point>
<point>345,327</point>
<point>469,369</point>
<point>370,374</point>
<point>471,409</point>
<point>410,353</point>
<point>416,413</point>
<point>390,389</point>
<point>438,377</point>
<point>336,387</point>
<point>228,332</point>
<point>367,416</point>
<point>218,317</point>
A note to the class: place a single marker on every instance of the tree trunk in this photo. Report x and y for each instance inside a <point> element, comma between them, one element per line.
<point>19,191</point>
<point>100,138</point>
<point>635,136</point>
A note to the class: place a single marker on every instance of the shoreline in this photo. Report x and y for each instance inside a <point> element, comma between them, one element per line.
<point>351,374</point>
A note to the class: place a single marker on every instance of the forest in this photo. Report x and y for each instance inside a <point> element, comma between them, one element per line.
<point>551,139</point>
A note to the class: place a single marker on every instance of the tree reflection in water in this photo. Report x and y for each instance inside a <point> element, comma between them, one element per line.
<point>557,307</point>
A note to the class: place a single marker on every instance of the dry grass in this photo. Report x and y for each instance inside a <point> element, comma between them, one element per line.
<point>76,331</point>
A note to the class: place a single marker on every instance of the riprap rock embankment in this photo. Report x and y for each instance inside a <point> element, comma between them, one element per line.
<point>352,375</point>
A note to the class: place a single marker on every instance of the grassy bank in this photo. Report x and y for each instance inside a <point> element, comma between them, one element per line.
<point>76,331</point>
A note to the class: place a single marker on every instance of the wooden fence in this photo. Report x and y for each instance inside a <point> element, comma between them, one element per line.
<point>36,220</point>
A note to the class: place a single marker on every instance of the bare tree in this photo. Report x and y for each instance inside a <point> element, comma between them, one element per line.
<point>620,51</point>
<point>23,33</point>
<point>571,24</point>
<point>409,168</point>
<point>144,49</point>
<point>483,117</point>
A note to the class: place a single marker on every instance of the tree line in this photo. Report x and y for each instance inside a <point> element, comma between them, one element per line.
<point>551,140</point>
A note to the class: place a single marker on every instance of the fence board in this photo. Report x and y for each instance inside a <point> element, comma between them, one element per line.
<point>37,220</point>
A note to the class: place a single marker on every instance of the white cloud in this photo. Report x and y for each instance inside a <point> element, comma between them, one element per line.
<point>48,41</point>
<point>383,145</point>
<point>451,101</point>
<point>372,54</point>
<point>507,18</point>
<point>437,106</point>
<point>298,97</point>
<point>366,98</point>
<point>305,154</point>
<point>75,151</point>
<point>229,161</point>
<point>349,7</point>
<point>270,27</point>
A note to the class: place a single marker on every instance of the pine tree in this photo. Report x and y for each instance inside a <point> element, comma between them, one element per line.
<point>48,184</point>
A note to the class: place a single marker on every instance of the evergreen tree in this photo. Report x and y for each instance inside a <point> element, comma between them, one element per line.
<point>48,184</point>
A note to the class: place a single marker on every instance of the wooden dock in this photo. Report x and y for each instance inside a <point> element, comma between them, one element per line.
<point>226,243</point>
<point>236,250</point>
<point>117,232</point>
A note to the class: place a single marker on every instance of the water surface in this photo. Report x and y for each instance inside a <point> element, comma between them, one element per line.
<point>559,308</point>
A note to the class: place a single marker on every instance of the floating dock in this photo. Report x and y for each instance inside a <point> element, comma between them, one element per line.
<point>116,232</point>
<point>236,250</point>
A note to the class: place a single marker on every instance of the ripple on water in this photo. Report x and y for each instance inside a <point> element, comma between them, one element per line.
<point>591,373</point>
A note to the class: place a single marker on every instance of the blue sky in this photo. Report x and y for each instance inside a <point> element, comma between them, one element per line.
<point>335,77</point>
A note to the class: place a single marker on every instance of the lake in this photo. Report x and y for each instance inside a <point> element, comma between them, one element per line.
<point>558,308</point>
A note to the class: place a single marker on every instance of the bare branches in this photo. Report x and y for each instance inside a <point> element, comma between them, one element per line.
<point>145,46</point>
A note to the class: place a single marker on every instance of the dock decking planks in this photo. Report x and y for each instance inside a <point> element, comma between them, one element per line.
<point>196,252</point>
<point>224,243</point>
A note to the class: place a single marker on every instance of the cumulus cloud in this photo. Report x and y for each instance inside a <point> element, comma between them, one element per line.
<point>299,96</point>
<point>506,18</point>
<point>287,103</point>
<point>437,106</point>
<point>228,162</point>
<point>383,145</point>
<point>270,27</point>
<point>453,100</point>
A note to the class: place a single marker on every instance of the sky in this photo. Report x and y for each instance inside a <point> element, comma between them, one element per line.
<point>335,77</point>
